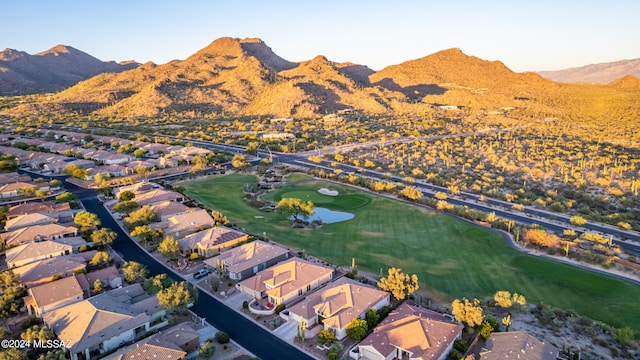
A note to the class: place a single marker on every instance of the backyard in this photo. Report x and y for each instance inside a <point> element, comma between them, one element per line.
<point>452,258</point>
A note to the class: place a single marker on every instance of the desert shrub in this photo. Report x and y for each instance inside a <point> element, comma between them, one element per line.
<point>222,337</point>
<point>279,308</point>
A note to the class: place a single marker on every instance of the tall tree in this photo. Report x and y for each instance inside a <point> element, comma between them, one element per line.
<point>169,247</point>
<point>104,236</point>
<point>295,208</point>
<point>178,297</point>
<point>357,329</point>
<point>398,283</point>
<point>134,271</point>
<point>11,297</point>
<point>86,220</point>
<point>468,312</point>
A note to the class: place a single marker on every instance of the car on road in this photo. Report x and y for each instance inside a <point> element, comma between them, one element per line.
<point>201,273</point>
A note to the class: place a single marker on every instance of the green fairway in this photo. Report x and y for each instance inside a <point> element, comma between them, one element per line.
<point>452,258</point>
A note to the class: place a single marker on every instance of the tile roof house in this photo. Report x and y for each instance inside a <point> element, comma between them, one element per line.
<point>37,232</point>
<point>137,188</point>
<point>157,196</point>
<point>178,342</point>
<point>147,351</point>
<point>111,158</point>
<point>26,220</point>
<point>113,170</point>
<point>12,177</point>
<point>110,276</point>
<point>246,260</point>
<point>53,295</point>
<point>11,190</point>
<point>49,208</point>
<point>338,304</point>
<point>182,225</point>
<point>167,209</point>
<point>410,332</point>
<point>35,251</point>
<point>106,321</point>
<point>211,241</point>
<point>43,271</point>
<point>517,345</point>
<point>286,281</point>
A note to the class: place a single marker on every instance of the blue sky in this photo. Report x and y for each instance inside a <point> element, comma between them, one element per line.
<point>525,35</point>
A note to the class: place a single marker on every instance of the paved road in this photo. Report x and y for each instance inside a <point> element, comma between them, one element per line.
<point>246,333</point>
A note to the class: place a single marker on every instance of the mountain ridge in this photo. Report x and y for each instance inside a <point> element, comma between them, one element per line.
<point>600,73</point>
<point>51,70</point>
<point>244,77</point>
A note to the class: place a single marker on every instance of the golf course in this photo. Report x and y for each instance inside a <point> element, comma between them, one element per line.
<point>452,258</point>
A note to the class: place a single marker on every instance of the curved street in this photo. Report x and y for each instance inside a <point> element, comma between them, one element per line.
<point>249,335</point>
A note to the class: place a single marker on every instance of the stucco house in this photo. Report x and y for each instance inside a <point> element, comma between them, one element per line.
<point>338,304</point>
<point>157,196</point>
<point>49,208</point>
<point>43,271</point>
<point>35,251</point>
<point>167,209</point>
<point>37,233</point>
<point>410,332</point>
<point>286,281</point>
<point>246,260</point>
<point>50,296</point>
<point>211,241</point>
<point>517,345</point>
<point>106,321</point>
<point>27,220</point>
<point>182,225</point>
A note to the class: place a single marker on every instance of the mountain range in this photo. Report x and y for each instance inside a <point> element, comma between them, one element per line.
<point>234,76</point>
<point>602,73</point>
<point>51,70</point>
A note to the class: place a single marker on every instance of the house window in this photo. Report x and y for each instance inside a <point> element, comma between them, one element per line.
<point>309,287</point>
<point>300,292</point>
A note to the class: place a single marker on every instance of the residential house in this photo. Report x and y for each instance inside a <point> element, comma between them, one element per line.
<point>11,190</point>
<point>337,304</point>
<point>211,241</point>
<point>50,208</point>
<point>167,209</point>
<point>157,196</point>
<point>148,351</point>
<point>110,158</point>
<point>12,177</point>
<point>113,170</point>
<point>37,232</point>
<point>182,225</point>
<point>56,294</point>
<point>175,343</point>
<point>26,220</point>
<point>137,188</point>
<point>246,260</point>
<point>517,345</point>
<point>286,281</point>
<point>35,251</point>
<point>106,321</point>
<point>43,271</point>
<point>190,151</point>
<point>410,332</point>
<point>277,136</point>
<point>156,149</point>
<point>76,242</point>
<point>136,163</point>
<point>109,276</point>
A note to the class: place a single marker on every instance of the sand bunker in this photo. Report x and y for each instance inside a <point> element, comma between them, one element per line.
<point>325,191</point>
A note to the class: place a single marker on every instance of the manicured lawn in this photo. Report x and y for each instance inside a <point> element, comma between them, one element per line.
<point>452,258</point>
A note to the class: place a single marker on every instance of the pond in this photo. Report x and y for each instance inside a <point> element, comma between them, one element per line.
<point>329,216</point>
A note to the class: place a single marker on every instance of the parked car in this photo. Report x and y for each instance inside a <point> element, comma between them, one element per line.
<point>201,273</point>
